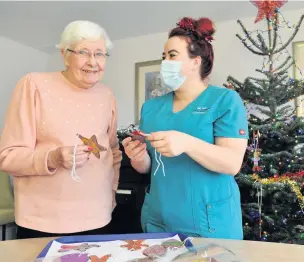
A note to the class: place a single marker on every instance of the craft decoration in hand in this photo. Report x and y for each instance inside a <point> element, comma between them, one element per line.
<point>81,248</point>
<point>73,258</point>
<point>137,135</point>
<point>92,142</point>
<point>132,131</point>
<point>134,244</point>
<point>155,251</point>
<point>102,259</point>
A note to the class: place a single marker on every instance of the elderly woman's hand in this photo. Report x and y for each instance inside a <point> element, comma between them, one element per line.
<point>63,157</point>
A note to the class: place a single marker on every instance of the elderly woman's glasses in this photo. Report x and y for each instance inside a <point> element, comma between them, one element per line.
<point>84,54</point>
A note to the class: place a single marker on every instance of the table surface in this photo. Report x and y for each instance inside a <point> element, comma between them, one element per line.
<point>28,249</point>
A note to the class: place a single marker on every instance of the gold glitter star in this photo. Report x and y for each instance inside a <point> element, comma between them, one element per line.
<point>92,142</point>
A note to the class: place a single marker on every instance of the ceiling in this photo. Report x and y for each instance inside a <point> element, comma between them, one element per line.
<point>39,24</point>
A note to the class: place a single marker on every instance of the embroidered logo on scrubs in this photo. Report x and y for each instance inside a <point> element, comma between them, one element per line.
<point>242,132</point>
<point>200,110</point>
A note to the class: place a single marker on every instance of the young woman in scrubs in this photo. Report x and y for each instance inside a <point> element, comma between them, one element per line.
<point>197,138</point>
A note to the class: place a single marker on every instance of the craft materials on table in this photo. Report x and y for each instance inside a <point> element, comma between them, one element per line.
<point>138,250</point>
<point>116,251</point>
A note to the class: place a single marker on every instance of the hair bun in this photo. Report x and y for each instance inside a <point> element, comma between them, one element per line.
<point>205,28</point>
<point>187,23</point>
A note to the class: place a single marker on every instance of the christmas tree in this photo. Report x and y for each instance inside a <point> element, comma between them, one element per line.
<point>271,180</point>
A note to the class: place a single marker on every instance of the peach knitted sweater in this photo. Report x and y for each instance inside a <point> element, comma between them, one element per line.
<point>47,111</point>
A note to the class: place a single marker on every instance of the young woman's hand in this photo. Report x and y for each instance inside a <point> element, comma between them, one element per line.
<point>168,143</point>
<point>135,150</point>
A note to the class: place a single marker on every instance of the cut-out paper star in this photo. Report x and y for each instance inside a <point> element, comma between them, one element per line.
<point>92,142</point>
<point>267,8</point>
<point>101,259</point>
<point>134,244</point>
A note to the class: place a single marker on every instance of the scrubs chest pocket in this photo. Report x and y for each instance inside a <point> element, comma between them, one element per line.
<point>202,126</point>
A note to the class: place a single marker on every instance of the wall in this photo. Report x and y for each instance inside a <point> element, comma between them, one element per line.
<point>230,58</point>
<point>17,60</point>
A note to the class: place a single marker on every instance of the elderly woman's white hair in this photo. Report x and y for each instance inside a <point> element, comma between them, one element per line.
<point>80,30</point>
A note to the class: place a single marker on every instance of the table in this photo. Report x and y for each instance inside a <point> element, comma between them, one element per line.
<point>27,250</point>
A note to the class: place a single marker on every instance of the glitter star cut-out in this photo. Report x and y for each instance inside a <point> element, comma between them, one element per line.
<point>92,142</point>
<point>134,244</point>
<point>267,8</point>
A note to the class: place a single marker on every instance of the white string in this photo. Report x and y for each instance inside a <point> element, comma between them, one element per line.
<point>73,172</point>
<point>159,162</point>
<point>163,166</point>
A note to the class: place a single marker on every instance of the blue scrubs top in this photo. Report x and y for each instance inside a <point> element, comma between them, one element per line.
<point>188,198</point>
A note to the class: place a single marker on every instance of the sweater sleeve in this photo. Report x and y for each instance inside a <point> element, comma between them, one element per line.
<point>19,155</point>
<point>117,155</point>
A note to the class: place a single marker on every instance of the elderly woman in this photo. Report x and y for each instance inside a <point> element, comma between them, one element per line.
<point>59,141</point>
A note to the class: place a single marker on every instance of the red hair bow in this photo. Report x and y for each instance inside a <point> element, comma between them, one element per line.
<point>187,24</point>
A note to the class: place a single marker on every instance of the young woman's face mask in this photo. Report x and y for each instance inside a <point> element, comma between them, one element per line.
<point>177,66</point>
<point>171,73</point>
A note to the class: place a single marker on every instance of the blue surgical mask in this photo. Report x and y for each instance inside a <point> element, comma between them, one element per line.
<point>170,72</point>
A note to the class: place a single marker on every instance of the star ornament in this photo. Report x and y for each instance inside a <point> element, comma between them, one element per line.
<point>267,8</point>
<point>134,244</point>
<point>102,259</point>
<point>92,142</point>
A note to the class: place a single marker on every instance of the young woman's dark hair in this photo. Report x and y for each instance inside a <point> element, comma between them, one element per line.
<point>199,34</point>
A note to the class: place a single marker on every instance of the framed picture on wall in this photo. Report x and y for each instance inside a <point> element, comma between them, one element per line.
<point>298,55</point>
<point>148,84</point>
